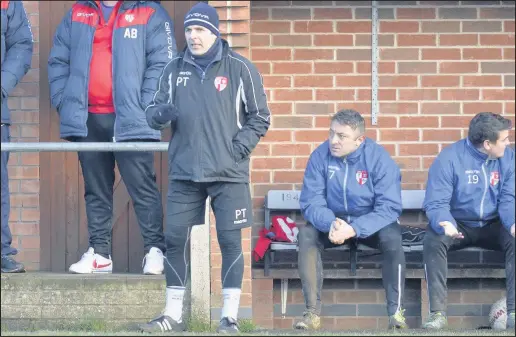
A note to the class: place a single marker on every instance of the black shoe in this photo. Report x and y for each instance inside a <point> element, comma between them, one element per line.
<point>162,324</point>
<point>228,325</point>
<point>11,266</point>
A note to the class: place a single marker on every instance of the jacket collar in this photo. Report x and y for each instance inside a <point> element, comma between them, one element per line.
<point>223,52</point>
<point>475,152</point>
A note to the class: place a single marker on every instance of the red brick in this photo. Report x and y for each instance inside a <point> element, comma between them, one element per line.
<point>508,26</point>
<point>353,81</point>
<point>332,13</point>
<point>399,135</point>
<point>260,177</point>
<point>315,108</point>
<point>482,53</point>
<point>277,136</point>
<point>441,135</point>
<point>415,13</point>
<point>398,108</point>
<point>261,150</point>
<point>398,54</point>
<point>417,94</point>
<point>482,81</point>
<point>417,67</point>
<point>476,107</point>
<point>354,27</point>
<point>458,39</point>
<point>287,176</point>
<point>267,54</point>
<point>292,68</point>
<point>397,81</point>
<point>314,136</point>
<point>280,108</point>
<point>498,94</point>
<point>277,81</point>
<point>383,94</point>
<point>291,122</point>
<point>361,107</point>
<point>383,67</point>
<point>300,163</point>
<point>291,149</point>
<point>458,67</point>
<point>355,54</point>
<point>420,149</point>
<point>441,54</point>
<point>419,122</point>
<point>399,27</point>
<point>334,94</point>
<point>313,27</point>
<point>274,27</point>
<point>258,40</point>
<point>440,108</point>
<point>333,40</point>
<point>384,40</point>
<point>313,81</point>
<point>407,163</point>
<point>271,163</point>
<point>293,95</point>
<point>496,40</point>
<point>440,26</point>
<point>292,40</point>
<point>313,54</point>
<point>508,53</point>
<point>333,67</point>
<point>263,67</point>
<point>440,81</point>
<point>259,14</point>
<point>460,94</point>
<point>405,40</point>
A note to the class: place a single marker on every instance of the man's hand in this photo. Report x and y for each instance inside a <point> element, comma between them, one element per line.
<point>340,232</point>
<point>512,230</point>
<point>164,113</point>
<point>450,230</point>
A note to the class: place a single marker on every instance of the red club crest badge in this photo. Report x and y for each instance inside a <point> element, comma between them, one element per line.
<point>362,177</point>
<point>220,82</point>
<point>495,178</point>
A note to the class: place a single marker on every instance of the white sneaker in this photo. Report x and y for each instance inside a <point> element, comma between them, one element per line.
<point>92,263</point>
<point>153,262</point>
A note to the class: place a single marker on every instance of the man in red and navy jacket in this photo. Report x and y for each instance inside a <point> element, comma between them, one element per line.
<point>103,70</point>
<point>16,58</point>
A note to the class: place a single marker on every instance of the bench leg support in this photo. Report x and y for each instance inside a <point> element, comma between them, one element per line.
<point>284,294</point>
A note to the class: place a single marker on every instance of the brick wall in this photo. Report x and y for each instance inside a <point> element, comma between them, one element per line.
<point>439,64</point>
<point>24,167</point>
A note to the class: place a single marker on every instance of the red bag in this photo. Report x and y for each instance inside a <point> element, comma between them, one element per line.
<point>282,229</point>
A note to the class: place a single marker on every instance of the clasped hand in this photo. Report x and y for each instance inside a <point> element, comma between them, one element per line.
<point>340,231</point>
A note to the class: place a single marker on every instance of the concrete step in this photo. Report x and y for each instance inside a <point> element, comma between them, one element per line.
<point>59,301</point>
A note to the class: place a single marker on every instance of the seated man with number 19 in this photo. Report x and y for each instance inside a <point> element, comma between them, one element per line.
<point>470,201</point>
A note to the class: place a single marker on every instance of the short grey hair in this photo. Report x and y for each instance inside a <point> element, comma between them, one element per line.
<point>351,118</point>
<point>487,126</point>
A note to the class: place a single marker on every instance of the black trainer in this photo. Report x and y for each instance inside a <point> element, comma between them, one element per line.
<point>228,325</point>
<point>162,324</point>
<point>11,266</point>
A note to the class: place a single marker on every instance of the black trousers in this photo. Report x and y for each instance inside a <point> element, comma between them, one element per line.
<point>435,255</point>
<point>388,240</point>
<point>137,171</point>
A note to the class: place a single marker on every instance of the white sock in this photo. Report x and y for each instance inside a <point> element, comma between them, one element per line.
<point>174,303</point>
<point>231,298</point>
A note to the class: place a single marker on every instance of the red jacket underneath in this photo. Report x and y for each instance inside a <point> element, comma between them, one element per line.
<point>100,87</point>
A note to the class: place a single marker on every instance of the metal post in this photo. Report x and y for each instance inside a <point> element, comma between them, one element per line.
<point>374,62</point>
<point>92,146</point>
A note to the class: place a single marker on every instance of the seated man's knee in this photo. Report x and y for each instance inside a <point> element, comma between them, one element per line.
<point>308,236</point>
<point>432,240</point>
<point>390,238</point>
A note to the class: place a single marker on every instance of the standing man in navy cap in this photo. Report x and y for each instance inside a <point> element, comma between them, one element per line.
<point>215,103</point>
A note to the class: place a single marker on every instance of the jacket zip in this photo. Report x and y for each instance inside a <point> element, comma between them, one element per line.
<point>486,186</point>
<point>345,187</point>
<point>113,70</point>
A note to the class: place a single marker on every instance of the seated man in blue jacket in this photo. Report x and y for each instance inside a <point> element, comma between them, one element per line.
<point>470,201</point>
<point>351,190</point>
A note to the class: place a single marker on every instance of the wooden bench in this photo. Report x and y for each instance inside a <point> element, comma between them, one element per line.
<point>283,201</point>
